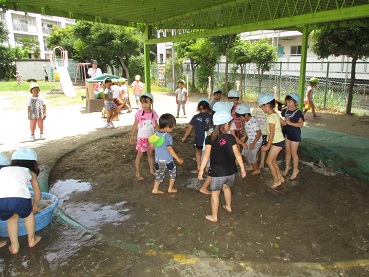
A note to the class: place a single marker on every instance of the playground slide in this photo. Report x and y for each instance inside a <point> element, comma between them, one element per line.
<point>66,82</point>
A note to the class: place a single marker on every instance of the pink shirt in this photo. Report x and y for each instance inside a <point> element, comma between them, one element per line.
<point>137,87</point>
<point>146,123</point>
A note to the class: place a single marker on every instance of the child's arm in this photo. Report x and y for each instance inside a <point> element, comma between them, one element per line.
<point>29,112</point>
<point>156,125</point>
<point>258,135</point>
<point>308,96</point>
<point>204,161</point>
<point>36,190</point>
<point>187,133</point>
<point>133,132</point>
<point>239,141</point>
<point>186,96</point>
<point>238,156</point>
<point>176,97</point>
<point>298,124</point>
<point>44,113</point>
<point>270,139</point>
<point>282,121</point>
<point>174,154</point>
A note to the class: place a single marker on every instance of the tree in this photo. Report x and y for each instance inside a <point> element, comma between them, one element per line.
<point>63,37</point>
<point>350,41</point>
<point>263,54</point>
<point>30,47</point>
<point>206,56</point>
<point>241,54</point>
<point>3,32</point>
<point>223,45</point>
<point>184,50</point>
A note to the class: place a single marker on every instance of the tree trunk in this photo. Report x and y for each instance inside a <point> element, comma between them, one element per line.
<point>192,63</point>
<point>241,84</point>
<point>226,87</point>
<point>351,86</point>
<point>125,68</point>
<point>260,75</point>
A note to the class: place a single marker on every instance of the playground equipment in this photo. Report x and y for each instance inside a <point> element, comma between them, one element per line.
<point>61,71</point>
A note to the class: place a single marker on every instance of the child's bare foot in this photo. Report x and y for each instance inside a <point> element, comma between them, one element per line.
<point>2,243</point>
<point>255,172</point>
<point>228,209</point>
<point>211,218</point>
<point>152,173</point>
<point>294,175</point>
<point>261,166</point>
<point>34,241</point>
<point>249,168</point>
<point>139,177</point>
<point>172,190</point>
<point>276,184</point>
<point>14,249</point>
<point>285,172</point>
<point>205,191</point>
<point>157,192</point>
<point>281,180</point>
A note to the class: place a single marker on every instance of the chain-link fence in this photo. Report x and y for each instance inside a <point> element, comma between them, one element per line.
<point>283,78</point>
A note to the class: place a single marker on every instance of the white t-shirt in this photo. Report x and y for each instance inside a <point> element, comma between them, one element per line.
<point>261,119</point>
<point>14,181</point>
<point>94,72</point>
<point>116,91</point>
<point>181,94</point>
<point>251,128</point>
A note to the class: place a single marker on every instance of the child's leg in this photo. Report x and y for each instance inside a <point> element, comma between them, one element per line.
<point>137,165</point>
<point>155,189</point>
<point>214,206</point>
<point>273,166</point>
<point>205,186</point>
<point>288,157</point>
<point>228,198</point>
<point>295,158</point>
<point>30,224</point>
<point>178,108</point>
<point>40,123</point>
<point>198,157</point>
<point>262,159</point>
<point>12,225</point>
<point>184,109</point>
<point>171,185</point>
<point>150,159</point>
<point>109,113</point>
<point>32,126</point>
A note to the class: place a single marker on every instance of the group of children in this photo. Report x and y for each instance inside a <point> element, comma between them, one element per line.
<point>227,136</point>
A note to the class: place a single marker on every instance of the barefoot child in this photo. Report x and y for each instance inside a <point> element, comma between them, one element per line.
<point>110,106</point>
<point>199,122</point>
<point>145,125</point>
<point>261,119</point>
<point>253,134</point>
<point>275,137</point>
<point>15,197</point>
<point>164,153</point>
<point>36,111</point>
<point>292,124</point>
<point>222,150</point>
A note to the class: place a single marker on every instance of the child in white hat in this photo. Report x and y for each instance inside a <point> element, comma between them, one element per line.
<point>36,111</point>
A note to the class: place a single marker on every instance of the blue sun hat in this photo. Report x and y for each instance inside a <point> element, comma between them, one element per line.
<point>233,93</point>
<point>215,90</point>
<point>295,97</point>
<point>203,99</point>
<point>242,109</point>
<point>148,94</point>
<point>222,117</point>
<point>4,160</point>
<point>220,106</point>
<point>264,98</point>
<point>24,154</point>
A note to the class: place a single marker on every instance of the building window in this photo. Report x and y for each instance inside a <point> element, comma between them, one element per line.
<point>296,50</point>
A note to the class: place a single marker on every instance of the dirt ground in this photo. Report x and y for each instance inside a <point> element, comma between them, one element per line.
<point>321,217</point>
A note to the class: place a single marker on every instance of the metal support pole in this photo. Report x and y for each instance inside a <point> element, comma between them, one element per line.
<point>147,59</point>
<point>305,38</point>
<point>326,86</point>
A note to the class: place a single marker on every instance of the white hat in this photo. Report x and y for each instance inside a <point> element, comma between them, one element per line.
<point>226,106</point>
<point>4,160</point>
<point>264,98</point>
<point>295,97</point>
<point>25,154</point>
<point>32,86</point>
<point>242,109</point>
<point>222,117</point>
<point>233,93</point>
<point>137,77</point>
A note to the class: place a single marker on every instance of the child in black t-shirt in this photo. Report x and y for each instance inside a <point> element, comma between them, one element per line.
<point>222,150</point>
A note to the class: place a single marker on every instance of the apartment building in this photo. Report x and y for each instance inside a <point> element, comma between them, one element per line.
<point>31,25</point>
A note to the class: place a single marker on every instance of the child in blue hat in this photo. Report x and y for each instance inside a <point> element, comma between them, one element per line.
<point>15,197</point>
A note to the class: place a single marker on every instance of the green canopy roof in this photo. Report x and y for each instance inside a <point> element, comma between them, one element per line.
<point>101,78</point>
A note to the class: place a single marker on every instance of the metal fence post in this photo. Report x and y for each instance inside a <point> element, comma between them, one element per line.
<point>326,86</point>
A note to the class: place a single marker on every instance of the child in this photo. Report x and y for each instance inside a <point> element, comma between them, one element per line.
<point>294,120</point>
<point>199,122</point>
<point>164,153</point>
<point>275,137</point>
<point>253,134</point>
<point>217,95</point>
<point>117,91</point>
<point>36,111</point>
<point>145,125</point>
<point>234,97</point>
<point>308,100</point>
<point>261,119</point>
<point>110,106</point>
<point>124,94</point>
<point>222,150</point>
<point>18,77</point>
<point>15,197</point>
<point>137,89</point>
<point>181,97</point>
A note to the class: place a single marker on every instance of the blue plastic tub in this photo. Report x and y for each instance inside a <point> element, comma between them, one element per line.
<point>43,218</point>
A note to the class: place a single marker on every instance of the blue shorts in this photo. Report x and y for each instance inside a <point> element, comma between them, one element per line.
<point>15,205</point>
